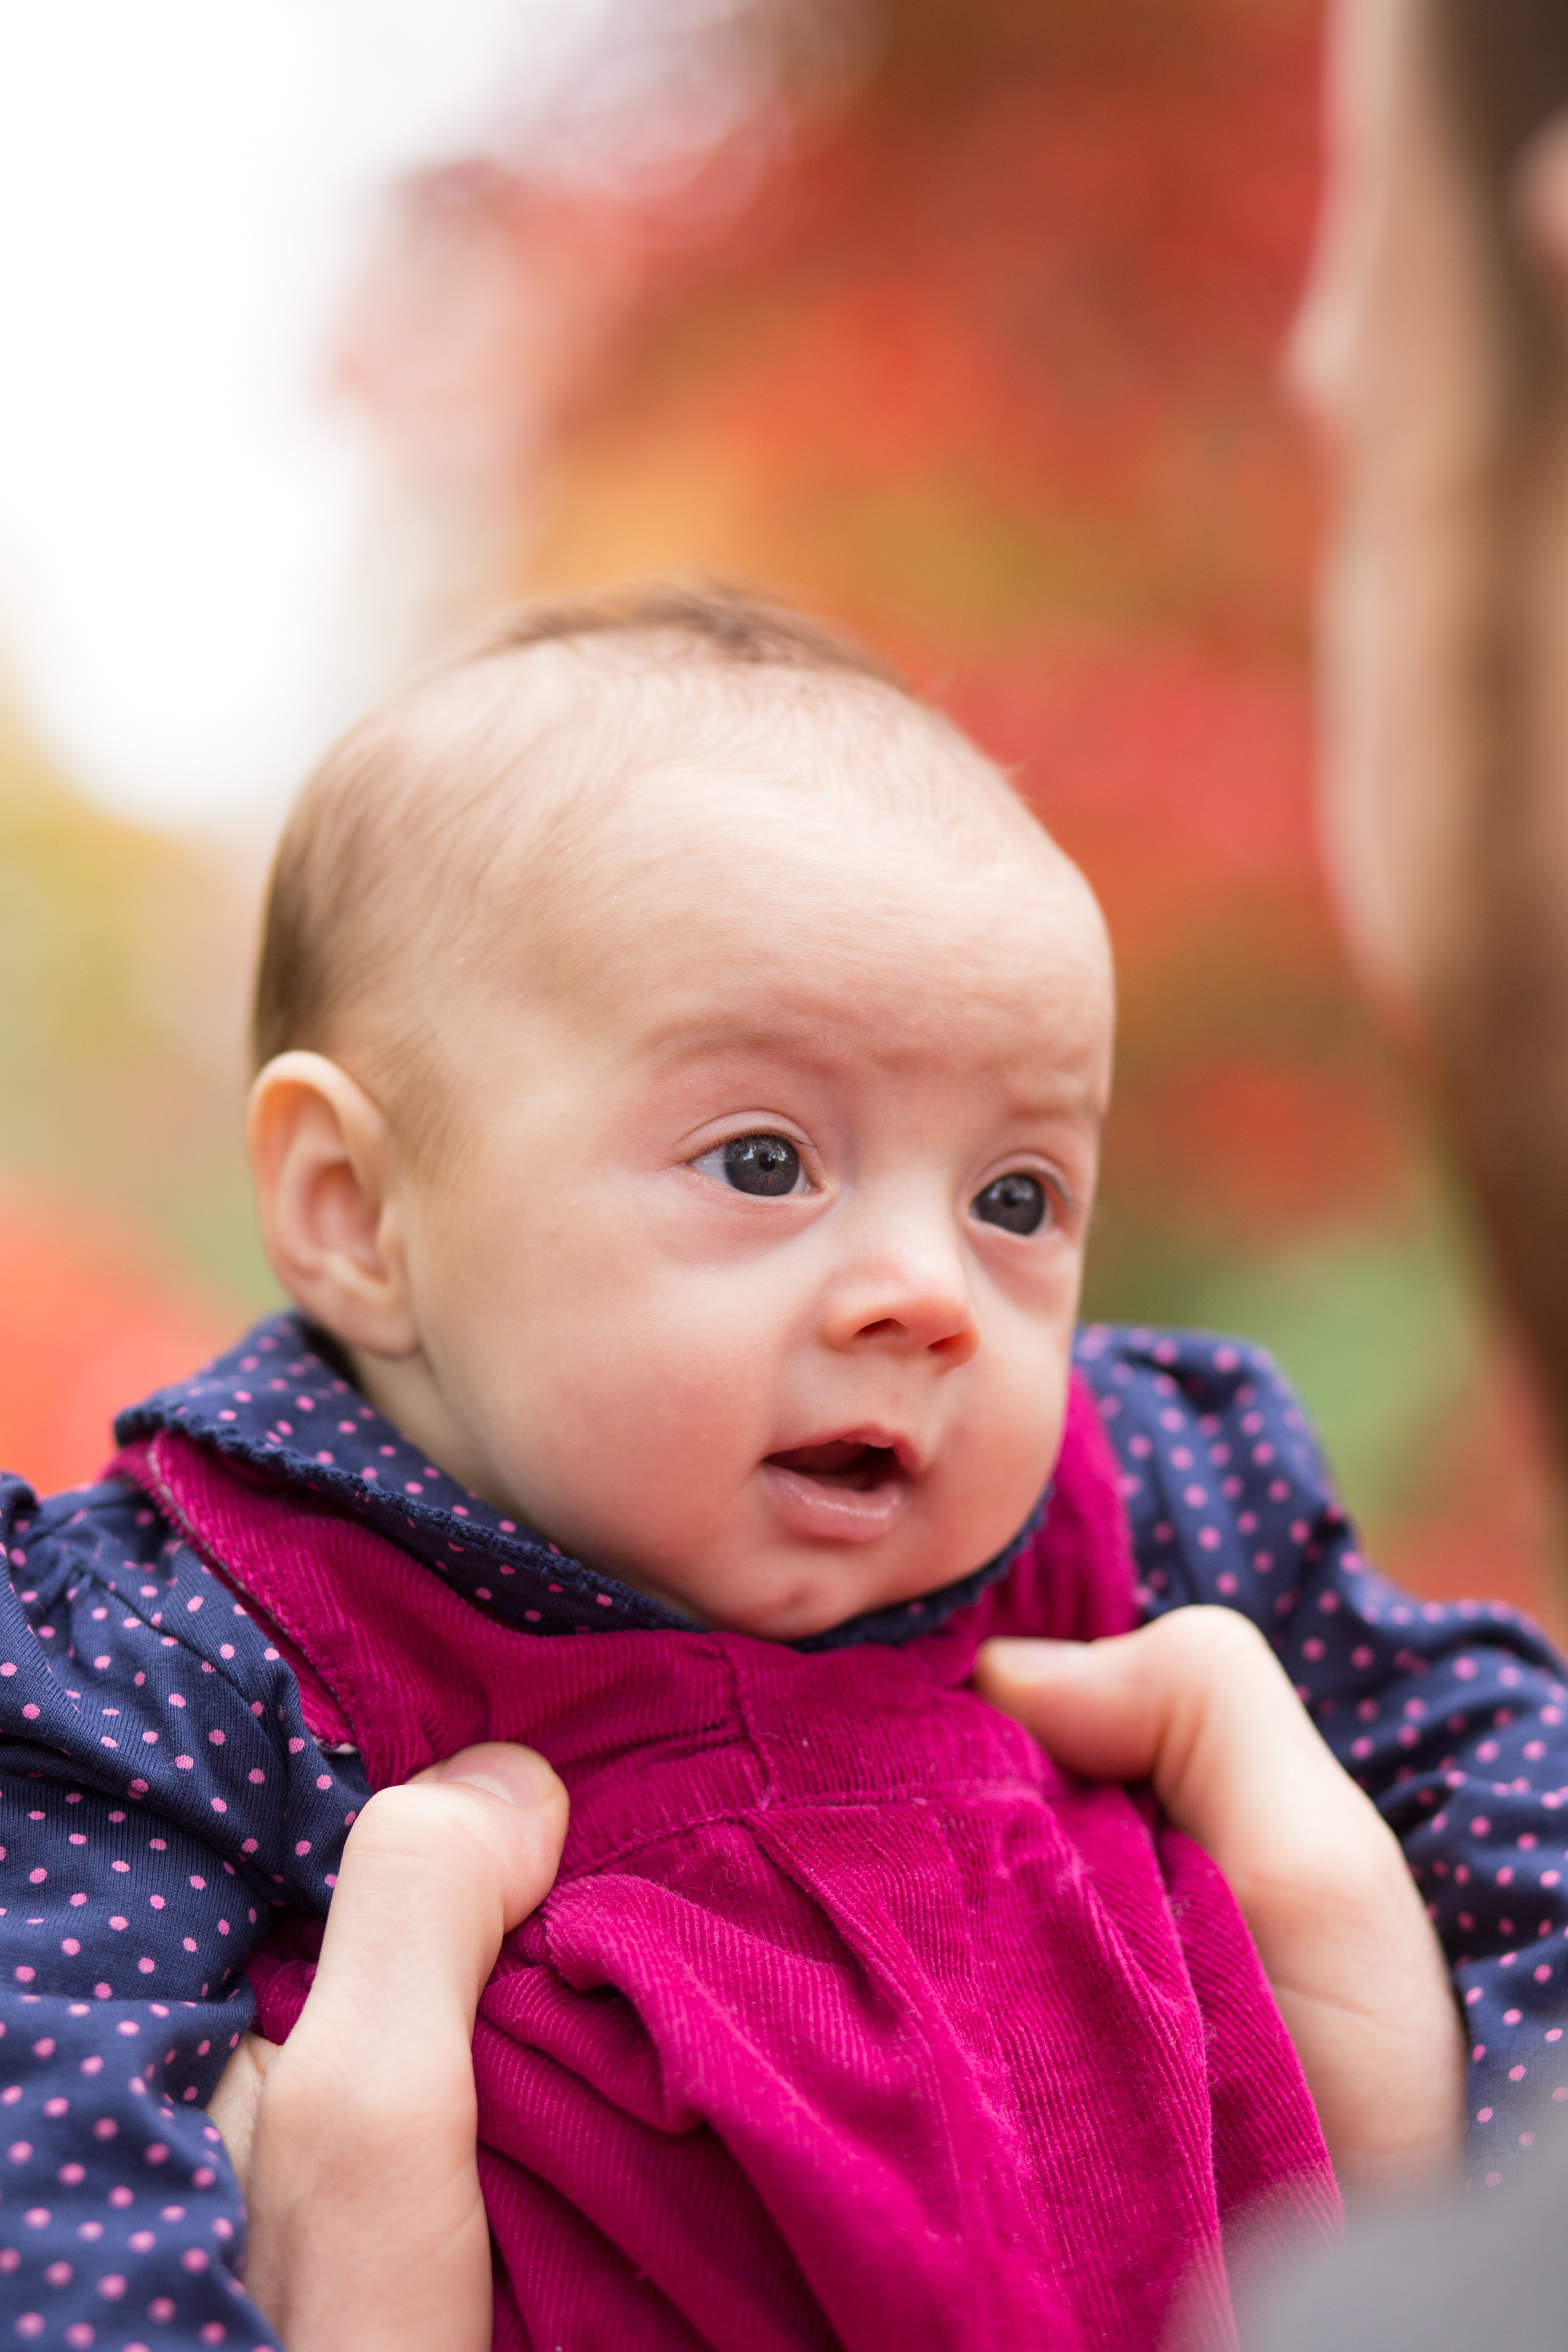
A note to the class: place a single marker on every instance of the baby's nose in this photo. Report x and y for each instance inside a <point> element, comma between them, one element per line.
<point>909,1296</point>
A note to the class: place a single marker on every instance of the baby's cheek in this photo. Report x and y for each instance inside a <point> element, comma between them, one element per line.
<point>637,1448</point>
<point>1011,1447</point>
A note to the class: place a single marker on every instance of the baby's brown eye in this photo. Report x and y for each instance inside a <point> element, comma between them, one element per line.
<point>767,1164</point>
<point>1018,1201</point>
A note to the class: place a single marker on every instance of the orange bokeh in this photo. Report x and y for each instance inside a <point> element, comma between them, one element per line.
<point>95,1315</point>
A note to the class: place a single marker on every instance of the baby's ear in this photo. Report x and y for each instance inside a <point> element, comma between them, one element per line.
<point>323,1157</point>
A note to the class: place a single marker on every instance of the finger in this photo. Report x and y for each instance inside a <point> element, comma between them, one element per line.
<point>531,1841</point>
<point>495,1813</point>
<point>1081,1699</point>
<point>518,1775</point>
<point>1196,1702</point>
<point>433,1875</point>
<point>370,2110</point>
<point>233,2104</point>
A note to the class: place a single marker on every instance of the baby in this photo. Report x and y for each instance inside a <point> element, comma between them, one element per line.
<point>682,1063</point>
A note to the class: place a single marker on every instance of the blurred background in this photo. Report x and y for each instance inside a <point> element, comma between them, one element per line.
<point>330,327</point>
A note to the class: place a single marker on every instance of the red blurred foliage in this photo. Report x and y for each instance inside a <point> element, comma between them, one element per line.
<point>95,1315</point>
<point>1247,1152</point>
<point>1039,269</point>
<point>1178,782</point>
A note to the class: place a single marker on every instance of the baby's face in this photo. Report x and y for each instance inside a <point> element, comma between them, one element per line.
<point>755,1284</point>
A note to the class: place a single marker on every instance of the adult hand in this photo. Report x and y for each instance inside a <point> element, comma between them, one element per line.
<point>355,2141</point>
<point>1197,1703</point>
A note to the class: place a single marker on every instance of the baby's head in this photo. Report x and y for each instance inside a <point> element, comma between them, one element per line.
<point>682,1065</point>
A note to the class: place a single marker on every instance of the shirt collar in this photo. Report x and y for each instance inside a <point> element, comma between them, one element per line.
<point>282,1401</point>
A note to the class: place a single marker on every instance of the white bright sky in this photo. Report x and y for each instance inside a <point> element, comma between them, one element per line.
<point>184,188</point>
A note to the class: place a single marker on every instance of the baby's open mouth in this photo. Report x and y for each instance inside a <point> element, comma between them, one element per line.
<point>842,1462</point>
<point>841,1489</point>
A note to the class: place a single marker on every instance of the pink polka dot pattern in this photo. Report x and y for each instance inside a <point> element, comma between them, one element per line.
<point>273,1398</point>
<point>156,1779</point>
<point>161,1798</point>
<point>1454,1719</point>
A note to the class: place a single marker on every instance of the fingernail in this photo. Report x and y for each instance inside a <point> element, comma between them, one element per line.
<point>523,1780</point>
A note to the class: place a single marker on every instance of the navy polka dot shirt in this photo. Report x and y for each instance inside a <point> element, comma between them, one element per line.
<point>161,1799</point>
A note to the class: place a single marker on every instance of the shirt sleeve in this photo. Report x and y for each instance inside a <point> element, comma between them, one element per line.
<point>160,1797</point>
<point>1453,1718</point>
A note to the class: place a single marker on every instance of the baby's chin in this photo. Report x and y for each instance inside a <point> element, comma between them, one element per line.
<point>791,1600</point>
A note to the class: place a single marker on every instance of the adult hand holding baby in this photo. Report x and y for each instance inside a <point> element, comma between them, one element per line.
<point>1197,1703</point>
<point>369,2109</point>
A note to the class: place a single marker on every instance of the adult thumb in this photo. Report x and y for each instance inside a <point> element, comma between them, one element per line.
<point>1089,1704</point>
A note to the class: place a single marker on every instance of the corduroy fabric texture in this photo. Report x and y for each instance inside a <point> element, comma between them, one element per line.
<point>850,2020</point>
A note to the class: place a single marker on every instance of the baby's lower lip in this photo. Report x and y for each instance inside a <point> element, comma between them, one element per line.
<point>853,1501</point>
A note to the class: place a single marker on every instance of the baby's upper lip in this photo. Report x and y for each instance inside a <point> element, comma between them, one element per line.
<point>836,1449</point>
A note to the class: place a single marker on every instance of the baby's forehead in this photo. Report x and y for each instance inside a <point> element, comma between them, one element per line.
<point>736,903</point>
<point>650,804</point>
<point>579,819</point>
<point>697,809</point>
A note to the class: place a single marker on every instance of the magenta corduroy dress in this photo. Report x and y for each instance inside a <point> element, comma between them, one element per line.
<point>851,2020</point>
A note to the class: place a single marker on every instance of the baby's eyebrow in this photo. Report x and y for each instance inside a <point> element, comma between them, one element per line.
<point>1060,1094</point>
<point>705,1040</point>
<point>1072,1098</point>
